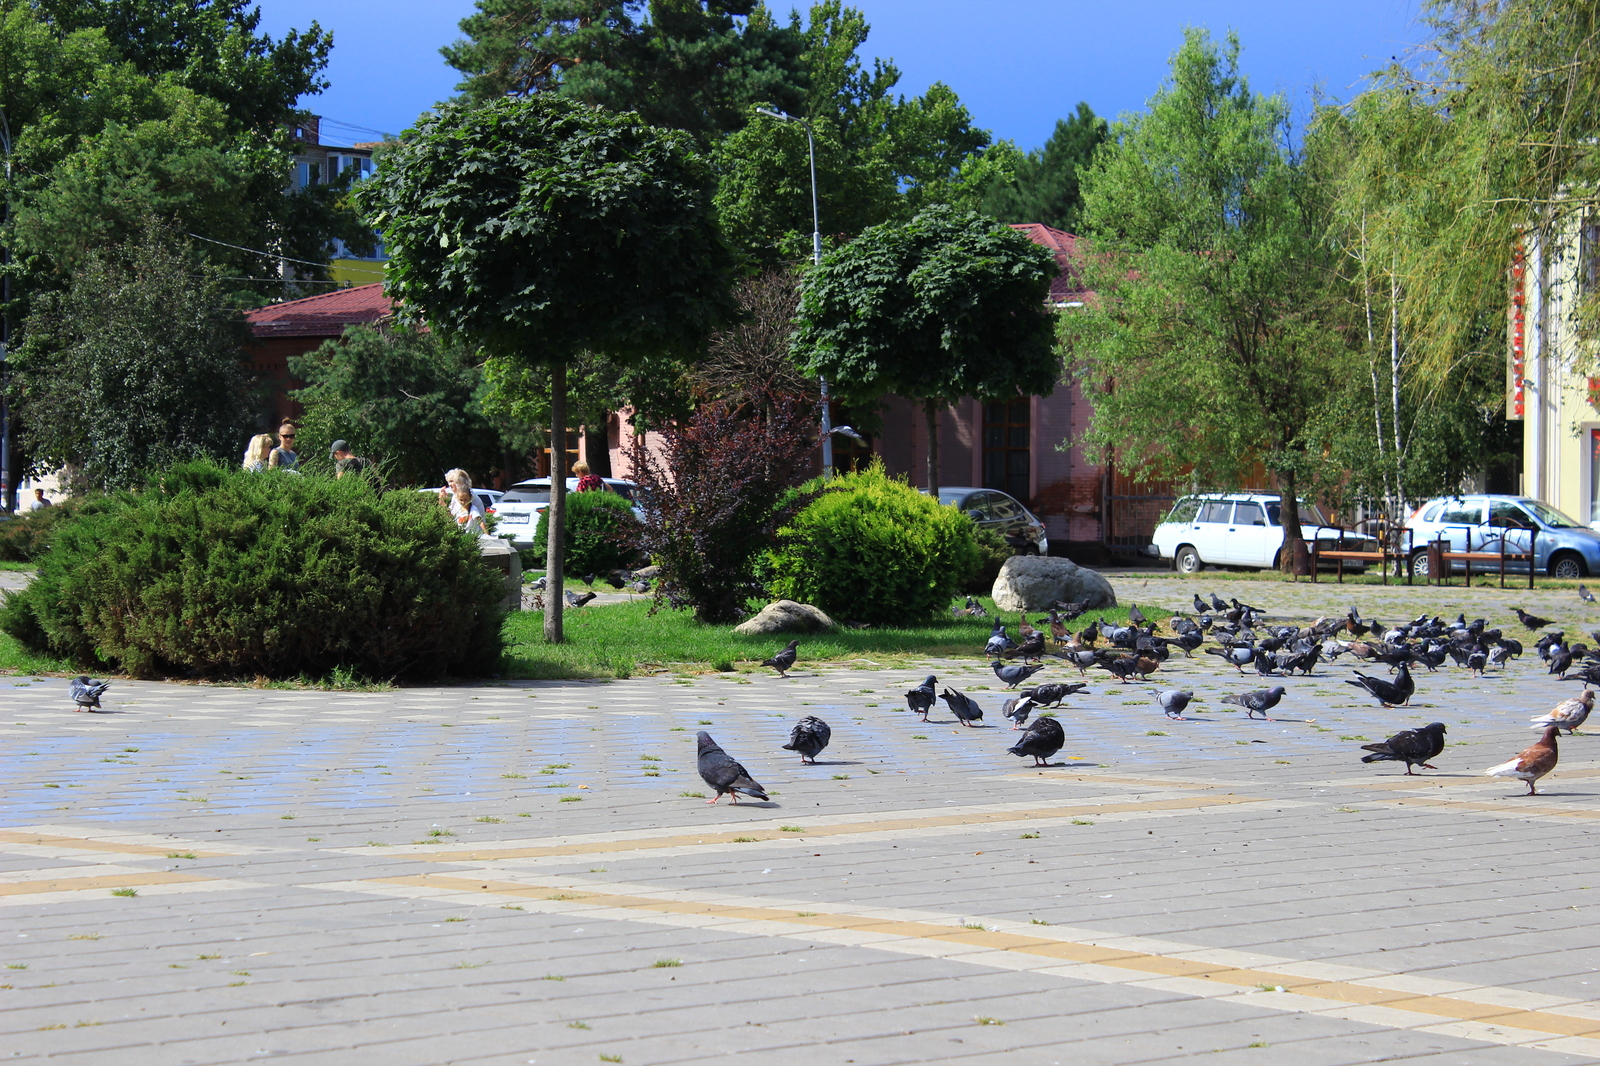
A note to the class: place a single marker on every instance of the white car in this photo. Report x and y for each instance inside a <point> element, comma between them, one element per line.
<point>517,513</point>
<point>1239,529</point>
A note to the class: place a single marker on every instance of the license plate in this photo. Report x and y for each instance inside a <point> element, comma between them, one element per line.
<point>513,519</point>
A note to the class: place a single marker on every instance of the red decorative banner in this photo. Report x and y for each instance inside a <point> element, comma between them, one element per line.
<point>1517,332</point>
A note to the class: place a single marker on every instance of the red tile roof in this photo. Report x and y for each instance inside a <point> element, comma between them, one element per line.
<point>1067,286</point>
<point>324,315</point>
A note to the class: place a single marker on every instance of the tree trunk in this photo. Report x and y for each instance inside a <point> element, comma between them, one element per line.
<point>931,410</point>
<point>555,588</point>
<point>597,447</point>
<point>1289,516</point>
<point>1395,358</point>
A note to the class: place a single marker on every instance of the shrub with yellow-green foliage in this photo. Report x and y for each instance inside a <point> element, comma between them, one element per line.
<point>213,572</point>
<point>873,549</point>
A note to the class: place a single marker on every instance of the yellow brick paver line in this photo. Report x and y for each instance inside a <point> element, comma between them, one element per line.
<point>131,879</point>
<point>1534,1021</point>
<point>113,847</point>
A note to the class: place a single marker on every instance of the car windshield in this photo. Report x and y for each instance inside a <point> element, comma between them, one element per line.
<point>1549,515</point>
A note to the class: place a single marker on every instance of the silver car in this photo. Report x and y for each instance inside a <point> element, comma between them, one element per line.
<point>1562,546</point>
<point>996,510</point>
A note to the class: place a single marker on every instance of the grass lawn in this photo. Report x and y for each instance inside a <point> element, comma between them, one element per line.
<point>622,639</point>
<point>5,565</point>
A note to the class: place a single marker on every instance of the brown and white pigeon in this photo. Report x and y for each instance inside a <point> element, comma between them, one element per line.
<point>723,773</point>
<point>1568,714</point>
<point>1533,763</point>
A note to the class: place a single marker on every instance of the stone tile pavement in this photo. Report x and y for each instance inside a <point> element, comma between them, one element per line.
<point>521,873</point>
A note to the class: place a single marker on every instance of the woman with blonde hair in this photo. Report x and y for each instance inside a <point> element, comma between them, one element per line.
<point>464,506</point>
<point>256,452</point>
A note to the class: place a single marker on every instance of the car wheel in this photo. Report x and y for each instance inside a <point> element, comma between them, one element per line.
<point>1419,565</point>
<point>1187,561</point>
<point>1566,565</point>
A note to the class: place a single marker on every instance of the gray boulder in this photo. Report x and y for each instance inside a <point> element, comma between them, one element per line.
<point>785,616</point>
<point>1036,582</point>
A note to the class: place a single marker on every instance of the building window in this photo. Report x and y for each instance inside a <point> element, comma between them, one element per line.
<point>1007,458</point>
<point>1589,255</point>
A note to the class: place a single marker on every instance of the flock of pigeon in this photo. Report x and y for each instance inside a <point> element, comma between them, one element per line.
<point>1243,639</point>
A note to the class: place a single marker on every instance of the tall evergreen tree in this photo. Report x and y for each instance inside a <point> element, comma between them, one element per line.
<point>1045,185</point>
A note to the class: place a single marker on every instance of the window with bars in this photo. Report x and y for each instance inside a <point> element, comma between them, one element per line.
<point>1007,459</point>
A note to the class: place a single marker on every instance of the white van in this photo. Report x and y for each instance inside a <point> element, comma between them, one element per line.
<point>1239,529</point>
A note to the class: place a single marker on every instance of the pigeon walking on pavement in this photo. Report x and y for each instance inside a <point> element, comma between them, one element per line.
<point>1043,739</point>
<point>1051,695</point>
<point>964,707</point>
<point>1532,763</point>
<point>1014,675</point>
<point>1018,710</point>
<point>810,735</point>
<point>1414,747</point>
<point>86,694</point>
<point>1389,693</point>
<point>1173,701</point>
<point>1262,700</point>
<point>723,773</point>
<point>920,699</point>
<point>784,660</point>
<point>1568,714</point>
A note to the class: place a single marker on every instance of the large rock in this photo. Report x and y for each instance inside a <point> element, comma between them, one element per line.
<point>785,616</point>
<point>1036,582</point>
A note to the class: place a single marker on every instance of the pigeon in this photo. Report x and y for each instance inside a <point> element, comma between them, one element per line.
<point>1013,675</point>
<point>641,586</point>
<point>86,694</point>
<point>920,699</point>
<point>1018,710</point>
<point>1200,605</point>
<point>1042,740</point>
<point>1052,694</point>
<point>539,585</point>
<point>809,737</point>
<point>1388,693</point>
<point>1173,701</point>
<point>784,660</point>
<point>1414,747</point>
<point>1262,700</point>
<point>1218,604</point>
<point>1122,667</point>
<point>1585,595</point>
<point>1569,714</point>
<point>962,706</point>
<point>998,642</point>
<point>1136,616</point>
<point>1532,621</point>
<point>618,578</point>
<point>575,600</point>
<point>724,773</point>
<point>1240,655</point>
<point>1533,763</point>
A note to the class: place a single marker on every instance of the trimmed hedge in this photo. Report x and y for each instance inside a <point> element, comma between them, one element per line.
<point>601,534</point>
<point>212,572</point>
<point>873,549</point>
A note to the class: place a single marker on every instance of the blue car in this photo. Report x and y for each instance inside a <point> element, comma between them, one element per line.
<point>1562,546</point>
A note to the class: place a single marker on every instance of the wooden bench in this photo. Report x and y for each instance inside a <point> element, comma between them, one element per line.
<point>1439,551</point>
<point>1382,555</point>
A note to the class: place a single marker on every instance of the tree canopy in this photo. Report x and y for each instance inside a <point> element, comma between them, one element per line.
<point>1044,186</point>
<point>947,305</point>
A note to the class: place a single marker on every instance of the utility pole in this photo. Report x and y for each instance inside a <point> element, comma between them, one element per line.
<point>8,491</point>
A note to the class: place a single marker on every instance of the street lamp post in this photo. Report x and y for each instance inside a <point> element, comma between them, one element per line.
<point>816,258</point>
<point>7,490</point>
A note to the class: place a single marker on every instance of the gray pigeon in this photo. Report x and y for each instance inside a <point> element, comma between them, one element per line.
<point>1262,700</point>
<point>1173,701</point>
<point>1013,675</point>
<point>1018,710</point>
<point>809,737</point>
<point>1043,739</point>
<point>575,599</point>
<point>86,694</point>
<point>962,706</point>
<point>723,773</point>
<point>784,660</point>
<point>998,643</point>
<point>920,699</point>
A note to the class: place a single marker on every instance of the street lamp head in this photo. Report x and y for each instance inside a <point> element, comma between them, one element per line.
<point>779,115</point>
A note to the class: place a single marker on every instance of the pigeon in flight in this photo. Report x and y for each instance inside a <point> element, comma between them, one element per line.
<point>1388,693</point>
<point>1569,714</point>
<point>1043,739</point>
<point>809,737</point>
<point>1414,747</point>
<point>1173,701</point>
<point>1262,700</point>
<point>86,694</point>
<point>723,773</point>
<point>784,660</point>
<point>920,699</point>
<point>1014,675</point>
<point>1533,763</point>
<point>964,707</point>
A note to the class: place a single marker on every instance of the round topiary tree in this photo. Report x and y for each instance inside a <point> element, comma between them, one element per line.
<point>873,549</point>
<point>601,533</point>
<point>211,572</point>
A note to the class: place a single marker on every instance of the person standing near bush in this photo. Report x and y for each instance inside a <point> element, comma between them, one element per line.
<point>283,456</point>
<point>464,506</point>
<point>38,503</point>
<point>257,452</point>
<point>587,482</point>
<point>344,461</point>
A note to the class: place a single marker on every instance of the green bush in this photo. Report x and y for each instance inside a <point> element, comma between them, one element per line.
<point>600,533</point>
<point>25,537</point>
<point>993,551</point>
<point>211,572</point>
<point>873,549</point>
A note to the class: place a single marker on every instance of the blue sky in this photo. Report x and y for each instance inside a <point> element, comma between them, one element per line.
<point>1018,65</point>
